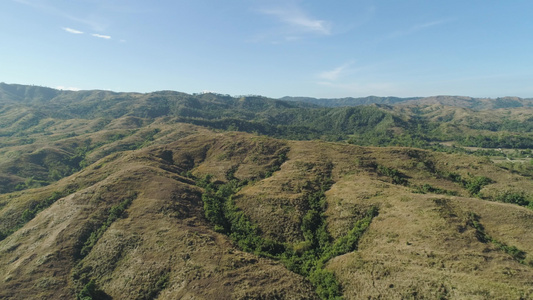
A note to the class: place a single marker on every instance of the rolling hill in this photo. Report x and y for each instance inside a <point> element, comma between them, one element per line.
<point>457,101</point>
<point>168,195</point>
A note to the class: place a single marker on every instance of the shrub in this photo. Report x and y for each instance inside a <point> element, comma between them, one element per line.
<point>514,197</point>
<point>475,184</point>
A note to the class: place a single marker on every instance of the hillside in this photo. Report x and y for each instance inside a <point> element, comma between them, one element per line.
<point>424,242</point>
<point>350,101</point>
<point>456,101</point>
<point>167,195</point>
<point>29,110</point>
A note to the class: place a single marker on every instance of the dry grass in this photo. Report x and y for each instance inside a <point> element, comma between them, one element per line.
<point>419,246</point>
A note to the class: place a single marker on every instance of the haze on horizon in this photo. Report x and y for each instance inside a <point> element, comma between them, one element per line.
<point>271,48</point>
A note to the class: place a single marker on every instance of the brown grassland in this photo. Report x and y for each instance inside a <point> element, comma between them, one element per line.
<point>444,242</point>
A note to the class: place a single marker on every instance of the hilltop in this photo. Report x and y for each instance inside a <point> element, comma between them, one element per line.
<point>168,195</point>
<point>457,101</point>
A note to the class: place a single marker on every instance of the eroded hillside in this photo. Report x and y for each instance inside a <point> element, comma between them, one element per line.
<point>135,226</point>
<point>137,223</point>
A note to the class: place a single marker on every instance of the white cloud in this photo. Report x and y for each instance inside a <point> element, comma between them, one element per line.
<point>74,31</point>
<point>298,21</point>
<point>64,88</point>
<point>334,74</point>
<point>107,37</point>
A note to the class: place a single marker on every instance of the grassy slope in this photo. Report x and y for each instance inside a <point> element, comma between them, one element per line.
<point>163,236</point>
<point>420,245</point>
<point>456,101</point>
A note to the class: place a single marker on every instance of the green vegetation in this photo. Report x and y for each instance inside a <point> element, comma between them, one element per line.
<point>220,210</point>
<point>30,183</point>
<point>80,273</point>
<point>514,197</point>
<point>319,248</point>
<point>473,184</point>
<point>153,290</point>
<point>128,141</point>
<point>91,292</point>
<point>115,212</point>
<point>362,123</point>
<point>428,188</point>
<point>524,169</point>
<point>146,138</point>
<point>33,209</point>
<point>349,242</point>
<point>482,236</point>
<point>396,176</point>
<point>36,207</point>
<point>276,165</point>
<point>307,258</point>
<point>513,141</point>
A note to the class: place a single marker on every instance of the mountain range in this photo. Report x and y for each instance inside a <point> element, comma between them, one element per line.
<point>169,195</point>
<point>457,101</point>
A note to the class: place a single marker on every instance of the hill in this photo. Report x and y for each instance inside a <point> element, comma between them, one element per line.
<point>350,101</point>
<point>168,195</point>
<point>456,101</point>
<point>133,223</point>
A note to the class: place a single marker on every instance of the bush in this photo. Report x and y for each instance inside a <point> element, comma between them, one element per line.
<point>507,196</point>
<point>115,212</point>
<point>482,236</point>
<point>396,176</point>
<point>326,285</point>
<point>305,258</point>
<point>427,188</point>
<point>91,292</point>
<point>475,184</point>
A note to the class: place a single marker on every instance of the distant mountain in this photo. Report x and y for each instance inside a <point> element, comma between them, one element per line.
<point>274,117</point>
<point>349,101</point>
<point>457,101</point>
<point>40,95</point>
<point>27,110</point>
<point>473,103</point>
<point>25,93</point>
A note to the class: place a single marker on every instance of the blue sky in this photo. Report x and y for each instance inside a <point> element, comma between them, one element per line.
<point>338,48</point>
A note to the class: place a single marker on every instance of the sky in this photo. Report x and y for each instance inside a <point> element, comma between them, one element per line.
<point>323,49</point>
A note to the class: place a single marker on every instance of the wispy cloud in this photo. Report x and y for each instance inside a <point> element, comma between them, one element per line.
<point>296,22</point>
<point>299,21</point>
<point>74,31</point>
<point>334,74</point>
<point>415,28</point>
<point>93,22</point>
<point>101,36</point>
<point>107,37</point>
